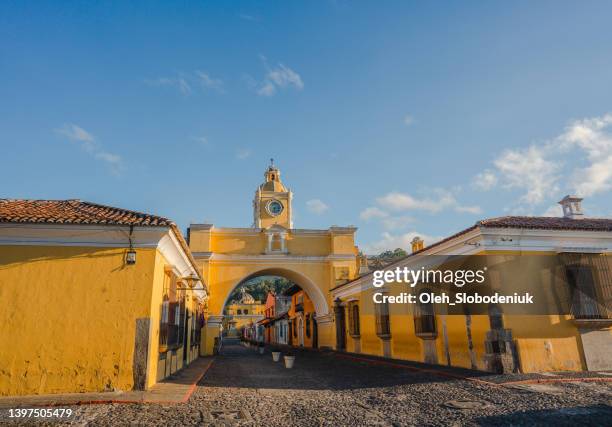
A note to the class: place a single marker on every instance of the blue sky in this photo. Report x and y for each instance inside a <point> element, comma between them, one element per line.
<point>401,118</point>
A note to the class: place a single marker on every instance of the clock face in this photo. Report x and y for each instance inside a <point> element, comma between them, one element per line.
<point>274,207</point>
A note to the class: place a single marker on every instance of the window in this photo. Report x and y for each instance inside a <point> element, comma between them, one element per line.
<point>383,326</point>
<point>308,325</point>
<point>246,311</point>
<point>294,323</point>
<point>584,302</point>
<point>496,320</point>
<point>424,319</point>
<point>173,314</point>
<point>354,318</point>
<point>239,311</point>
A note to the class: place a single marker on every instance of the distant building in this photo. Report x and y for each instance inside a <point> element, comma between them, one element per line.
<point>242,313</point>
<point>275,320</point>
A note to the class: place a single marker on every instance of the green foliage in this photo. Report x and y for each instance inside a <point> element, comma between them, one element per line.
<point>386,257</point>
<point>259,287</point>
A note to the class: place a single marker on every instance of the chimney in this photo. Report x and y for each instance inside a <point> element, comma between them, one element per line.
<point>572,207</point>
<point>417,244</point>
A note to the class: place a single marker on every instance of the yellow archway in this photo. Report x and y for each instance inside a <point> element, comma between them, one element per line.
<point>316,260</point>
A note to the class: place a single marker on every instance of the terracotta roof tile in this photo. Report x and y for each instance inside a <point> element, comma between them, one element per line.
<point>73,212</point>
<point>548,223</point>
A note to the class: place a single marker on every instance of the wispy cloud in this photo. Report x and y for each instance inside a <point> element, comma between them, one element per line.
<point>179,83</point>
<point>207,82</point>
<point>87,142</point>
<point>185,82</point>
<point>251,18</point>
<point>316,206</point>
<point>243,153</point>
<point>485,180</point>
<point>279,77</point>
<point>372,212</point>
<point>201,140</point>
<point>408,120</point>
<point>438,201</point>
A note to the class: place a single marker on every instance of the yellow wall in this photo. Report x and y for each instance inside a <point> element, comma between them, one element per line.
<point>69,317</point>
<point>70,314</point>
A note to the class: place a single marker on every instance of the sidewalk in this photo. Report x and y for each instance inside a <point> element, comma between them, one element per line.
<point>174,389</point>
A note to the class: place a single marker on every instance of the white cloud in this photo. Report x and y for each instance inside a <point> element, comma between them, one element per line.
<point>390,241</point>
<point>279,77</point>
<point>530,170</point>
<point>578,161</point>
<point>396,222</point>
<point>476,210</point>
<point>396,201</point>
<point>179,82</point>
<point>208,82</point>
<point>372,212</point>
<point>202,140</point>
<point>485,180</point>
<point>243,153</point>
<point>316,206</point>
<point>184,82</point>
<point>266,89</point>
<point>251,18</point>
<point>554,210</point>
<point>75,133</point>
<point>408,120</point>
<point>88,143</point>
<point>590,136</point>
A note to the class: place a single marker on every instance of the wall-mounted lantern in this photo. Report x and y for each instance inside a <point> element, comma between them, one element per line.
<point>130,256</point>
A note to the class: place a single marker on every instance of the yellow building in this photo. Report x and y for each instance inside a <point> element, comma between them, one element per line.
<point>316,260</point>
<point>242,313</point>
<point>580,340</point>
<point>303,329</point>
<point>94,298</point>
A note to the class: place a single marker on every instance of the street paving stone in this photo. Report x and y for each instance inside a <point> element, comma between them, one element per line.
<point>243,388</point>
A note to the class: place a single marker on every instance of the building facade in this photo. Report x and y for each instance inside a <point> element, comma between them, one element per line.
<point>496,341</point>
<point>95,298</point>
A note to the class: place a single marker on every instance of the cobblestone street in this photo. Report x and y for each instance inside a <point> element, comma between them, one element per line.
<point>245,388</point>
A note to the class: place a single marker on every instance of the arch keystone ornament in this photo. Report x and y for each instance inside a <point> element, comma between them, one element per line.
<point>316,260</point>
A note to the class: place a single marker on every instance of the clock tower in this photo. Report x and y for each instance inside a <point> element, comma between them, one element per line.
<point>272,203</point>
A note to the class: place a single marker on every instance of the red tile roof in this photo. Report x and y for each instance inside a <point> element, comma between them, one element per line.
<point>76,211</point>
<point>73,212</point>
<point>548,223</point>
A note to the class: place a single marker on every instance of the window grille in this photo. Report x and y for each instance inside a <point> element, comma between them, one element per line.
<point>383,325</point>
<point>354,318</point>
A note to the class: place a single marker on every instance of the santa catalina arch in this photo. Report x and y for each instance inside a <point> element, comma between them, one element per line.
<point>316,260</point>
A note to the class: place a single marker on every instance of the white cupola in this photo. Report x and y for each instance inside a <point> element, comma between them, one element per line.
<point>572,207</point>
